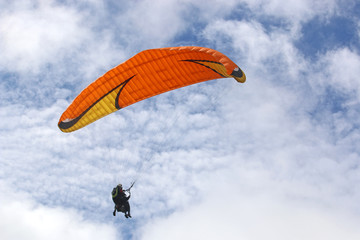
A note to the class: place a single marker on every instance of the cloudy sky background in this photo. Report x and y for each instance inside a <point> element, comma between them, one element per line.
<point>274,158</point>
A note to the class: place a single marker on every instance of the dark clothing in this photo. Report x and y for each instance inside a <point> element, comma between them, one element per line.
<point>119,197</point>
<point>121,201</point>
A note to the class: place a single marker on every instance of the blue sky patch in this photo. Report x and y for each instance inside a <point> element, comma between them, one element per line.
<point>319,35</point>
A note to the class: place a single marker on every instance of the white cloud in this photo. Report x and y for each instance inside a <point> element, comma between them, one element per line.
<point>293,11</point>
<point>38,35</point>
<point>244,217</point>
<point>249,204</point>
<point>208,11</point>
<point>55,43</point>
<point>340,69</point>
<point>150,24</point>
<point>256,50</point>
<point>21,218</point>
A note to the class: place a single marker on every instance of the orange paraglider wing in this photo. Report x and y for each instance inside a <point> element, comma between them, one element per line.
<point>148,73</point>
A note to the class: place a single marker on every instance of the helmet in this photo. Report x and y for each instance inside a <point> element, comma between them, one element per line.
<point>119,185</point>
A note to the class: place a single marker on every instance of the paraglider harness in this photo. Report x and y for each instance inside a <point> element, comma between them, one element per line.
<point>122,207</point>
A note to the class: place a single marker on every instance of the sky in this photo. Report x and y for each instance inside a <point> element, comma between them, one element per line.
<point>276,157</point>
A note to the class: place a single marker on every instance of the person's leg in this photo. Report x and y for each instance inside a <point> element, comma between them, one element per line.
<point>127,206</point>
<point>114,213</point>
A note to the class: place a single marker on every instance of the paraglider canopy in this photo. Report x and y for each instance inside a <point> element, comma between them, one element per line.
<point>148,73</point>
